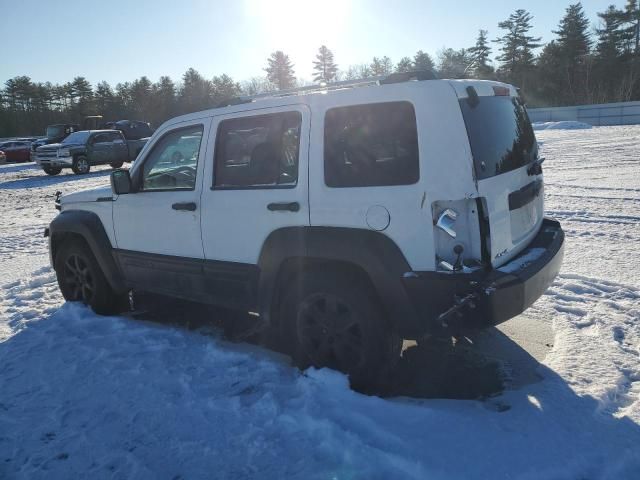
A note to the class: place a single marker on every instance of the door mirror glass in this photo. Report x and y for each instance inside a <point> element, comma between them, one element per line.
<point>120,182</point>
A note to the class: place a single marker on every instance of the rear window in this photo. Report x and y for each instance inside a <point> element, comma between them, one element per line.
<point>500,135</point>
<point>371,145</point>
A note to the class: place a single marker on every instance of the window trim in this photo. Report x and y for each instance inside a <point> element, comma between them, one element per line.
<point>214,187</point>
<point>139,172</point>
<point>365,104</point>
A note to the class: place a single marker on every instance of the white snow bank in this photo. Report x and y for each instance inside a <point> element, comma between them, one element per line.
<point>564,125</point>
<point>110,397</point>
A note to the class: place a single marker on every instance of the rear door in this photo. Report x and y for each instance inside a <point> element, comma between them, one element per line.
<point>118,151</point>
<point>504,147</point>
<point>100,145</point>
<point>256,181</point>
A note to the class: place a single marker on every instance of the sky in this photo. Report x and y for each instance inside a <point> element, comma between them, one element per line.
<point>122,40</point>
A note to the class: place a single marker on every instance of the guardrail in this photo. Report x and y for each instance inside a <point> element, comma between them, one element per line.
<point>623,113</point>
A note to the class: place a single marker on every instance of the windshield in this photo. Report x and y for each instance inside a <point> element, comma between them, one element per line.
<point>77,137</point>
<point>55,131</point>
<point>500,135</point>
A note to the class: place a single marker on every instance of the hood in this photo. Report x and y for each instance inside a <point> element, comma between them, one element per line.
<point>88,195</point>
<point>50,146</point>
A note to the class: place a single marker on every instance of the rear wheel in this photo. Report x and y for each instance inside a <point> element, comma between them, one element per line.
<point>336,321</point>
<point>80,165</point>
<point>116,164</point>
<point>81,280</point>
<point>52,170</point>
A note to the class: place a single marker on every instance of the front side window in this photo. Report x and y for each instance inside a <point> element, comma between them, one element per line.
<point>371,145</point>
<point>260,151</point>
<point>173,161</point>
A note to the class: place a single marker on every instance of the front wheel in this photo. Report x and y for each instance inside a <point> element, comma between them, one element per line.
<point>81,165</point>
<point>52,170</point>
<point>116,164</point>
<point>336,321</point>
<point>81,280</point>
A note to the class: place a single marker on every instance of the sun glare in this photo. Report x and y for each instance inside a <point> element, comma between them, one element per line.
<point>298,27</point>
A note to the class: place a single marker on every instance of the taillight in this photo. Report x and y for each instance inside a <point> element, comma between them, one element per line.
<point>456,234</point>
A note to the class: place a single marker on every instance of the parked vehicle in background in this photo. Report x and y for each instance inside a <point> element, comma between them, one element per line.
<point>346,222</point>
<point>55,134</point>
<point>16,151</point>
<point>80,150</point>
<point>131,129</point>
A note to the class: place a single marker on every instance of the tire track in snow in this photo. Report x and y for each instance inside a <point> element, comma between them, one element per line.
<point>597,326</point>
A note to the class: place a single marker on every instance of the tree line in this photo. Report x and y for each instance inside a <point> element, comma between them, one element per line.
<point>579,66</point>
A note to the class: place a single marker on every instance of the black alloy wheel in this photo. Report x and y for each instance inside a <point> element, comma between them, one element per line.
<point>79,279</point>
<point>331,333</point>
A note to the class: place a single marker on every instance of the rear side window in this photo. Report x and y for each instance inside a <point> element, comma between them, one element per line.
<point>258,152</point>
<point>500,135</point>
<point>371,145</point>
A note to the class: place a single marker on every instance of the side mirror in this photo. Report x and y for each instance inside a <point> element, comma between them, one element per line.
<point>120,182</point>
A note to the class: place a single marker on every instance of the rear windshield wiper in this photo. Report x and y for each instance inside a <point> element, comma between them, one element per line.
<point>536,167</point>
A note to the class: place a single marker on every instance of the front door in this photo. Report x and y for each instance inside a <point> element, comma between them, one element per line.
<point>157,228</point>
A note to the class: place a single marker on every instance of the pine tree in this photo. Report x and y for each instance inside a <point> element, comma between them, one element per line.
<point>356,72</point>
<point>454,63</point>
<point>280,70</point>
<point>324,66</point>
<point>517,47</point>
<point>195,93</point>
<point>381,66</point>
<point>610,35</point>
<point>422,61</point>
<point>480,53</point>
<point>631,29</point>
<point>573,33</point>
<point>565,63</point>
<point>104,100</point>
<point>164,92</point>
<point>224,88</point>
<point>404,65</point>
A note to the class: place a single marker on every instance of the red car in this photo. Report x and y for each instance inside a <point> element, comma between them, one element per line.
<point>16,151</point>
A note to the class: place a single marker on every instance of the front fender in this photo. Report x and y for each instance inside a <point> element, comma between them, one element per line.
<point>88,226</point>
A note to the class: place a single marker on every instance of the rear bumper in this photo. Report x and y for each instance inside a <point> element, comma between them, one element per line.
<point>489,297</point>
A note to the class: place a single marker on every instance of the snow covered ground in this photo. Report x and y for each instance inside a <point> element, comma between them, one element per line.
<point>88,397</point>
<point>563,125</point>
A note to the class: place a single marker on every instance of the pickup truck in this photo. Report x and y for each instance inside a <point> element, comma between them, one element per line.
<point>80,150</point>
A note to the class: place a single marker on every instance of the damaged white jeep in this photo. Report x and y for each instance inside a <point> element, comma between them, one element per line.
<point>346,217</point>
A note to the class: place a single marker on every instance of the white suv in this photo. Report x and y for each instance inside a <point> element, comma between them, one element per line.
<point>346,217</point>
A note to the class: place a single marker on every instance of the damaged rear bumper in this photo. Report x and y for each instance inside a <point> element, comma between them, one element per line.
<point>489,297</point>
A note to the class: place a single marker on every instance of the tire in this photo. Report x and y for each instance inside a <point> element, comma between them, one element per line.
<point>81,165</point>
<point>80,278</point>
<point>116,164</point>
<point>335,320</point>
<point>52,170</point>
